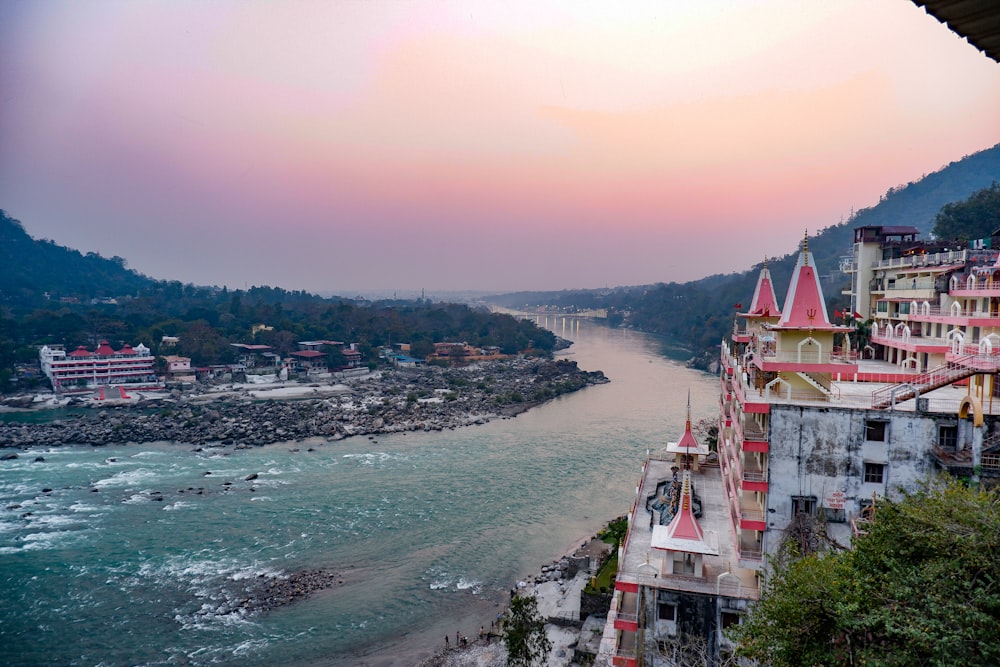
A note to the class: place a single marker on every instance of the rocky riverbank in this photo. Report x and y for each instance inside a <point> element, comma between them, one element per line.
<point>428,398</point>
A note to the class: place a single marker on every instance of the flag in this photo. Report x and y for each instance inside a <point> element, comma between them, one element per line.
<point>737,305</point>
<point>837,313</point>
<point>858,316</point>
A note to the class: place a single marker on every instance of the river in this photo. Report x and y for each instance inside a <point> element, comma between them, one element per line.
<point>127,555</point>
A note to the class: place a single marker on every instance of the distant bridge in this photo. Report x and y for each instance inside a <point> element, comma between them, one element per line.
<point>555,321</point>
<point>594,313</point>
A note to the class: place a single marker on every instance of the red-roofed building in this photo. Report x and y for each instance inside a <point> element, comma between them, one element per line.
<point>687,450</point>
<point>675,577</point>
<point>764,303</point>
<point>82,370</point>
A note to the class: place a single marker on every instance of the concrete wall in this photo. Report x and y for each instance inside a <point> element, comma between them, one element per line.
<point>821,453</point>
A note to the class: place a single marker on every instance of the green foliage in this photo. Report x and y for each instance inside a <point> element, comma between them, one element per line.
<point>603,582</point>
<point>920,588</point>
<point>974,218</point>
<point>614,533</point>
<point>52,294</point>
<point>524,633</point>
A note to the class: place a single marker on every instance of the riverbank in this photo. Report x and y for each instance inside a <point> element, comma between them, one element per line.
<point>391,401</point>
<point>557,589</point>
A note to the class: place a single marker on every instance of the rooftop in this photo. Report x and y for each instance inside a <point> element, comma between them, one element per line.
<point>640,561</point>
<point>873,376</point>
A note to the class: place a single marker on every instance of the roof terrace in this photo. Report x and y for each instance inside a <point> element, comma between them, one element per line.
<point>640,562</point>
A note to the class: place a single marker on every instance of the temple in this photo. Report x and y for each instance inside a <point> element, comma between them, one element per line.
<point>818,418</point>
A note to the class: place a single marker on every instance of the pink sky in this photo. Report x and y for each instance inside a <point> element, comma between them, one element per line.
<point>467,145</point>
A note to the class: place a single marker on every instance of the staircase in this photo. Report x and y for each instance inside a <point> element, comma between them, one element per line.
<point>815,384</point>
<point>942,376</point>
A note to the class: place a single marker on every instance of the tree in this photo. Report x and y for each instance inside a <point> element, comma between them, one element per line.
<point>921,587</point>
<point>524,633</point>
<point>975,218</point>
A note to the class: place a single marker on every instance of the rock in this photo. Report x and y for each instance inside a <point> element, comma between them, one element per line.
<point>251,477</point>
<point>8,457</point>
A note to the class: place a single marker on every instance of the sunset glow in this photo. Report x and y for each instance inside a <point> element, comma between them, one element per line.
<point>336,146</point>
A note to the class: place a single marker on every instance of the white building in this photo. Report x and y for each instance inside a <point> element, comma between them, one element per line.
<point>82,370</point>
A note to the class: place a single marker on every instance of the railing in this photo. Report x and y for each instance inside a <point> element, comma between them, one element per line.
<point>751,514</point>
<point>977,285</point>
<point>991,440</point>
<point>935,259</point>
<point>953,371</point>
<point>749,476</point>
<point>920,340</point>
<point>802,357</point>
<point>751,431</point>
<point>938,311</point>
<point>628,618</point>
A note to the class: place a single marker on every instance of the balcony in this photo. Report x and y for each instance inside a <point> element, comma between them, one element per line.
<point>625,653</point>
<point>749,430</point>
<point>750,553</point>
<point>987,287</point>
<point>628,613</point>
<point>754,481</point>
<point>934,259</point>
<point>937,314</point>
<point>751,515</point>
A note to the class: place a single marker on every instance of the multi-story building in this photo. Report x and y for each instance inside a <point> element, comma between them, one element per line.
<point>82,370</point>
<point>679,583</point>
<point>811,430</point>
<point>930,302</point>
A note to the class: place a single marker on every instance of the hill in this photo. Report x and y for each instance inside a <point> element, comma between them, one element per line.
<point>36,268</point>
<point>699,313</point>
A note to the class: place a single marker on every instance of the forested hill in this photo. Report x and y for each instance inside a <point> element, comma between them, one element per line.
<point>52,294</point>
<point>698,314</point>
<point>33,268</point>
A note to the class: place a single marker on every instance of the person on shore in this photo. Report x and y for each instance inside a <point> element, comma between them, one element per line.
<point>446,644</point>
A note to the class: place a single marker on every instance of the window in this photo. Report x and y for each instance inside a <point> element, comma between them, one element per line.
<point>803,505</point>
<point>882,306</point>
<point>667,612</point>
<point>834,515</point>
<point>874,473</point>
<point>730,618</point>
<point>875,431</point>
<point>948,436</point>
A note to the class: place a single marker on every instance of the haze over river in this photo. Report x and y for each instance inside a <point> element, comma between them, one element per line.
<point>428,531</point>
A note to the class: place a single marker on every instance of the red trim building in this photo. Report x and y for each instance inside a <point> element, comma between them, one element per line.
<point>83,370</point>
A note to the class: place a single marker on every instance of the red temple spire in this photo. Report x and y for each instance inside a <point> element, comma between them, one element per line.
<point>805,307</point>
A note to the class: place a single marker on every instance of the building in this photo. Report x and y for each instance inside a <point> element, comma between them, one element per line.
<point>308,361</point>
<point>82,370</point>
<point>678,584</point>
<point>255,356</point>
<point>929,302</point>
<point>179,368</point>
<point>812,427</point>
<point>815,423</point>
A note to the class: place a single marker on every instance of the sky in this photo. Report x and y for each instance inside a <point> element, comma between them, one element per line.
<point>466,145</point>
